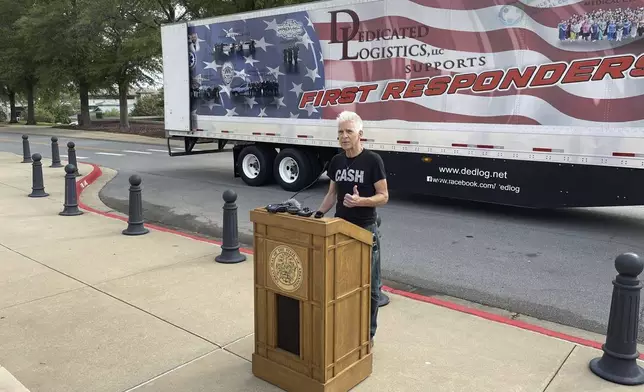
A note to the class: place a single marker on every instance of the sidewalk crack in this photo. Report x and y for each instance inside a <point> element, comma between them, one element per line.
<point>171,370</point>
<point>559,368</point>
<point>42,298</point>
<point>50,197</point>
<point>11,186</point>
<point>225,347</point>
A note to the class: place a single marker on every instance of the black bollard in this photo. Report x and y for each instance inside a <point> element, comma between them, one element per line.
<point>135,219</point>
<point>71,199</point>
<point>55,154</point>
<point>619,362</point>
<point>38,184</point>
<point>230,245</point>
<point>71,156</point>
<point>26,151</point>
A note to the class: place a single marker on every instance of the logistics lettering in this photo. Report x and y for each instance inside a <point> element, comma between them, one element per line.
<point>544,75</point>
<point>352,32</point>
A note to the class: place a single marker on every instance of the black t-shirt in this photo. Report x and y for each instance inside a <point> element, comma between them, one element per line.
<point>364,170</point>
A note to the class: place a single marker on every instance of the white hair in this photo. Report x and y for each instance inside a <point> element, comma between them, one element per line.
<point>350,117</point>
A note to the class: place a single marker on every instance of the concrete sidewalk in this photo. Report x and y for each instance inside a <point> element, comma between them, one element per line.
<point>85,308</point>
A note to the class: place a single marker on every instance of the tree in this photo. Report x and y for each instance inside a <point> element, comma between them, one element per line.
<point>131,50</point>
<point>8,94</point>
<point>69,50</point>
<point>8,73</point>
<point>207,8</point>
<point>18,66</point>
<point>157,12</point>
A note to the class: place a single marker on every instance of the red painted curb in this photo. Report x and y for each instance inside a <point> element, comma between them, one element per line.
<point>496,318</point>
<point>96,173</point>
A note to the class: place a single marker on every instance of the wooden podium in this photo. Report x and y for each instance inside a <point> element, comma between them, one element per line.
<point>312,299</point>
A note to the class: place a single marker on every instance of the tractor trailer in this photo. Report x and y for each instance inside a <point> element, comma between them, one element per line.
<point>538,104</point>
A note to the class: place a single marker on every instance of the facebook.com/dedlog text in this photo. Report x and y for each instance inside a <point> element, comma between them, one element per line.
<point>476,172</point>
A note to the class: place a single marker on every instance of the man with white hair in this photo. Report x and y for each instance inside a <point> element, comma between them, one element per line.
<point>359,185</point>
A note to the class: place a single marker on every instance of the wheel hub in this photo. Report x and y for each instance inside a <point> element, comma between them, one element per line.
<point>251,166</point>
<point>289,170</point>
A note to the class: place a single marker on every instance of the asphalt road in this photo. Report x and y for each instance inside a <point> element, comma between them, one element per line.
<point>554,265</point>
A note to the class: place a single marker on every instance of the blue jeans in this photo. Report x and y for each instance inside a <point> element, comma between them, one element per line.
<point>375,277</point>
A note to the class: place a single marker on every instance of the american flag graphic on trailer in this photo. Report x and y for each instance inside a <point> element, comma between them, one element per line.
<point>548,62</point>
<point>235,71</point>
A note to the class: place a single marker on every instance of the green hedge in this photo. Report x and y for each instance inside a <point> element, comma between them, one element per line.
<point>54,113</point>
<point>148,105</point>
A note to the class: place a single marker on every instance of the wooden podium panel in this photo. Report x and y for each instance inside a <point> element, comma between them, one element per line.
<point>312,302</point>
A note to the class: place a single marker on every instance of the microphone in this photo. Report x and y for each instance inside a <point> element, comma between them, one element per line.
<point>293,206</point>
<point>289,205</point>
<point>293,203</point>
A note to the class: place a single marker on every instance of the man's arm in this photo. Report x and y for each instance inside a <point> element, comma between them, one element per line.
<point>329,199</point>
<point>379,178</point>
<point>379,199</point>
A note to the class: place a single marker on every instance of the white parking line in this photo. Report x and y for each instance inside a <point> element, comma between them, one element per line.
<point>77,157</point>
<point>138,152</point>
<point>110,154</point>
<point>151,149</point>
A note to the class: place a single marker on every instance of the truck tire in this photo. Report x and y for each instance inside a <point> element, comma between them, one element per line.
<point>293,169</point>
<point>255,164</point>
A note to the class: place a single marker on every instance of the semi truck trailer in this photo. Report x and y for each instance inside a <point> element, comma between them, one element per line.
<point>531,103</point>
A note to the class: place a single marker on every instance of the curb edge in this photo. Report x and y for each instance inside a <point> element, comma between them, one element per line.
<point>96,172</point>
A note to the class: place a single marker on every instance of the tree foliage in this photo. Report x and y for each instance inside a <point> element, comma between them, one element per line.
<point>19,66</point>
<point>63,34</point>
<point>54,48</point>
<point>130,50</point>
<point>149,105</point>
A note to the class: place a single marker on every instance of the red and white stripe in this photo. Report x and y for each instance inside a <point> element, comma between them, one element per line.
<point>255,133</point>
<point>466,145</point>
<point>472,28</point>
<point>547,149</point>
<point>627,154</point>
<point>406,142</point>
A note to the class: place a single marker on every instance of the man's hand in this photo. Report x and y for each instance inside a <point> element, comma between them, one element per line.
<point>353,200</point>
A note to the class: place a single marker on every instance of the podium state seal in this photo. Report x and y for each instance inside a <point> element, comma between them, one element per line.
<point>286,268</point>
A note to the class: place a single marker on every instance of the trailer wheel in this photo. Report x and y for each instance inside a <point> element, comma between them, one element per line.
<point>256,164</point>
<point>292,169</point>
